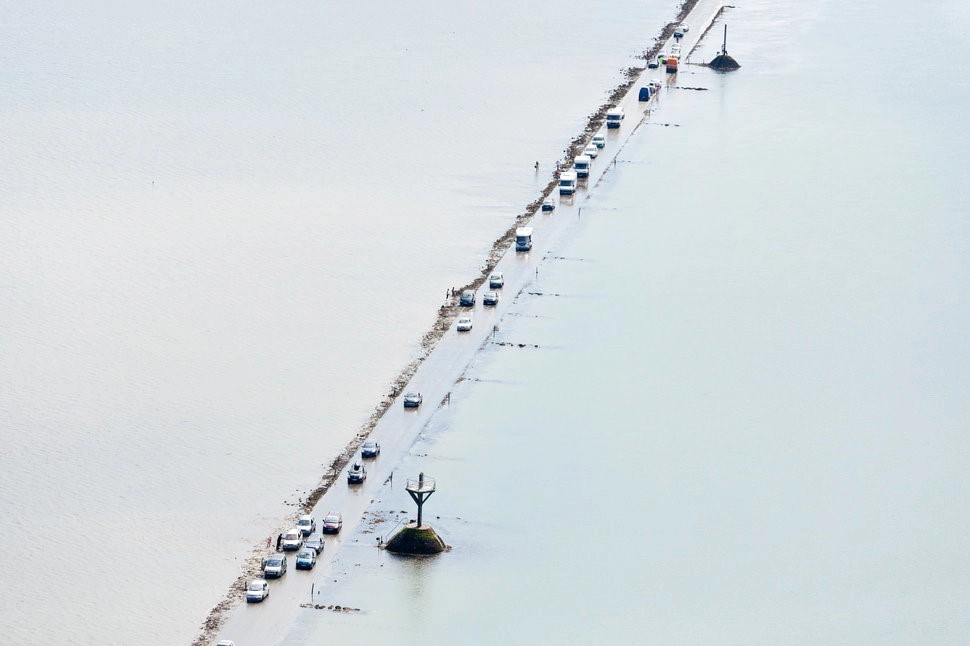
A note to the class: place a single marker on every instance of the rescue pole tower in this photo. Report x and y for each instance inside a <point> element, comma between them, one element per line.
<point>420,490</point>
<point>417,538</point>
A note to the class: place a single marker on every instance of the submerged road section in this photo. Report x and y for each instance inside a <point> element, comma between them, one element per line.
<point>397,430</point>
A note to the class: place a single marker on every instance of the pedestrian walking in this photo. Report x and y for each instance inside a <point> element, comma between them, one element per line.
<point>279,540</point>
<point>537,167</point>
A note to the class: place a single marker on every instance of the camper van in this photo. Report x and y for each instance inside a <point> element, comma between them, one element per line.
<point>581,165</point>
<point>567,182</point>
<point>523,238</point>
<point>614,117</point>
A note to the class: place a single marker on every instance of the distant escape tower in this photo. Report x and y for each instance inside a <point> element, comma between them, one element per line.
<point>724,62</point>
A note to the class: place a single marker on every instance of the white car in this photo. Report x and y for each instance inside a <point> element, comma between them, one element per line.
<point>464,324</point>
<point>306,525</point>
<point>496,280</point>
<point>591,150</point>
<point>274,566</point>
<point>599,141</point>
<point>292,540</point>
<point>257,590</point>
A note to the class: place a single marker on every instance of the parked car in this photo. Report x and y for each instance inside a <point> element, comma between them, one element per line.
<point>467,298</point>
<point>412,400</point>
<point>653,63</point>
<point>314,542</point>
<point>292,540</point>
<point>226,642</point>
<point>257,590</point>
<point>274,566</point>
<point>490,298</point>
<point>599,141</point>
<point>306,559</point>
<point>548,205</point>
<point>370,449</point>
<point>464,324</point>
<point>355,475</point>
<point>306,525</point>
<point>496,280</point>
<point>591,150</point>
<point>332,522</point>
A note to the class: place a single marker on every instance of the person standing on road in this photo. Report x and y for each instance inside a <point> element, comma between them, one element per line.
<point>279,540</point>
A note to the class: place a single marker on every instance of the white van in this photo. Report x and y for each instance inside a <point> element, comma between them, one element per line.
<point>292,540</point>
<point>614,117</point>
<point>567,182</point>
<point>257,590</point>
<point>523,238</point>
<point>581,165</point>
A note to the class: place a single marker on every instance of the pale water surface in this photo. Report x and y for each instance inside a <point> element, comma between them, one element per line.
<point>225,227</point>
<point>746,420</point>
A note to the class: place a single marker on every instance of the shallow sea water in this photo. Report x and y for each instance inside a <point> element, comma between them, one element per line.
<point>225,229</point>
<point>740,415</point>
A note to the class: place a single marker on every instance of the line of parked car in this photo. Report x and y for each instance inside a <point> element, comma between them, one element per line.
<point>467,298</point>
<point>302,539</point>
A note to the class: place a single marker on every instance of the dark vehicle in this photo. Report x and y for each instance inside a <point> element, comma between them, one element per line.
<point>370,449</point>
<point>490,298</point>
<point>644,94</point>
<point>467,298</point>
<point>356,474</point>
<point>412,400</point>
<point>332,522</point>
<point>314,542</point>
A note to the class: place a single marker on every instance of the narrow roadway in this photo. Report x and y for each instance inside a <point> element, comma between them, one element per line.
<point>264,623</point>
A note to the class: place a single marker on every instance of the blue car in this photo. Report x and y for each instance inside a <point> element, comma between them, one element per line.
<point>306,559</point>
